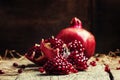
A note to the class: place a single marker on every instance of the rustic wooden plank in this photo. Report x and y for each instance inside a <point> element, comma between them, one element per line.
<point>116,74</point>
<point>30,72</point>
<point>94,73</point>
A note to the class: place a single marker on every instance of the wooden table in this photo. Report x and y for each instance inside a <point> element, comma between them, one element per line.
<point>31,71</point>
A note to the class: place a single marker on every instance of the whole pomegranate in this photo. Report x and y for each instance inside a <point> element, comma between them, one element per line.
<point>76,32</point>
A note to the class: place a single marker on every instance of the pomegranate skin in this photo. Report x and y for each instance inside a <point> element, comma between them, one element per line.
<point>76,32</point>
<point>35,55</point>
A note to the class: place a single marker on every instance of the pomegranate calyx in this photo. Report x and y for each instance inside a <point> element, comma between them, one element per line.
<point>76,23</point>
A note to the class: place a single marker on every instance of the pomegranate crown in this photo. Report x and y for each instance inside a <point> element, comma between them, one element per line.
<point>76,23</point>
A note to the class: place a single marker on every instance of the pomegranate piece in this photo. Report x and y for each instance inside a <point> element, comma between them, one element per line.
<point>78,59</point>
<point>76,32</point>
<point>59,66</point>
<point>35,55</point>
<point>56,43</point>
<point>77,56</point>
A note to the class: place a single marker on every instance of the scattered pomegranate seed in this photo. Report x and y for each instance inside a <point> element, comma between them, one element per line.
<point>119,61</point>
<point>15,64</point>
<point>41,69</point>
<point>97,59</point>
<point>107,69</point>
<point>20,70</point>
<point>93,63</point>
<point>118,68</point>
<point>2,72</point>
<point>23,66</point>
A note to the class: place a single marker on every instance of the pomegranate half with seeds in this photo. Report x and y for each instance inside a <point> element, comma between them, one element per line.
<point>47,48</point>
<point>35,55</point>
<point>76,32</point>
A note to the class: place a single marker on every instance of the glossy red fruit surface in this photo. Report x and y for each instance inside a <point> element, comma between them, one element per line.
<point>76,32</point>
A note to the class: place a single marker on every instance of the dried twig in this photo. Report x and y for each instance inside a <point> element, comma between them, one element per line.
<point>114,54</point>
<point>12,54</point>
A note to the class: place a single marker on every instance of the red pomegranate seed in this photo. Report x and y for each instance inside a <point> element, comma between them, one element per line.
<point>2,72</point>
<point>20,70</point>
<point>97,59</point>
<point>41,69</point>
<point>118,68</point>
<point>119,61</point>
<point>23,66</point>
<point>107,69</point>
<point>93,63</point>
<point>15,64</point>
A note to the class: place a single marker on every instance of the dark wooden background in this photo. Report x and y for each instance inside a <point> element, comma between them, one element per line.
<point>25,22</point>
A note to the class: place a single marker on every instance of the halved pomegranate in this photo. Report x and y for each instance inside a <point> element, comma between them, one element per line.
<point>35,55</point>
<point>76,32</point>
